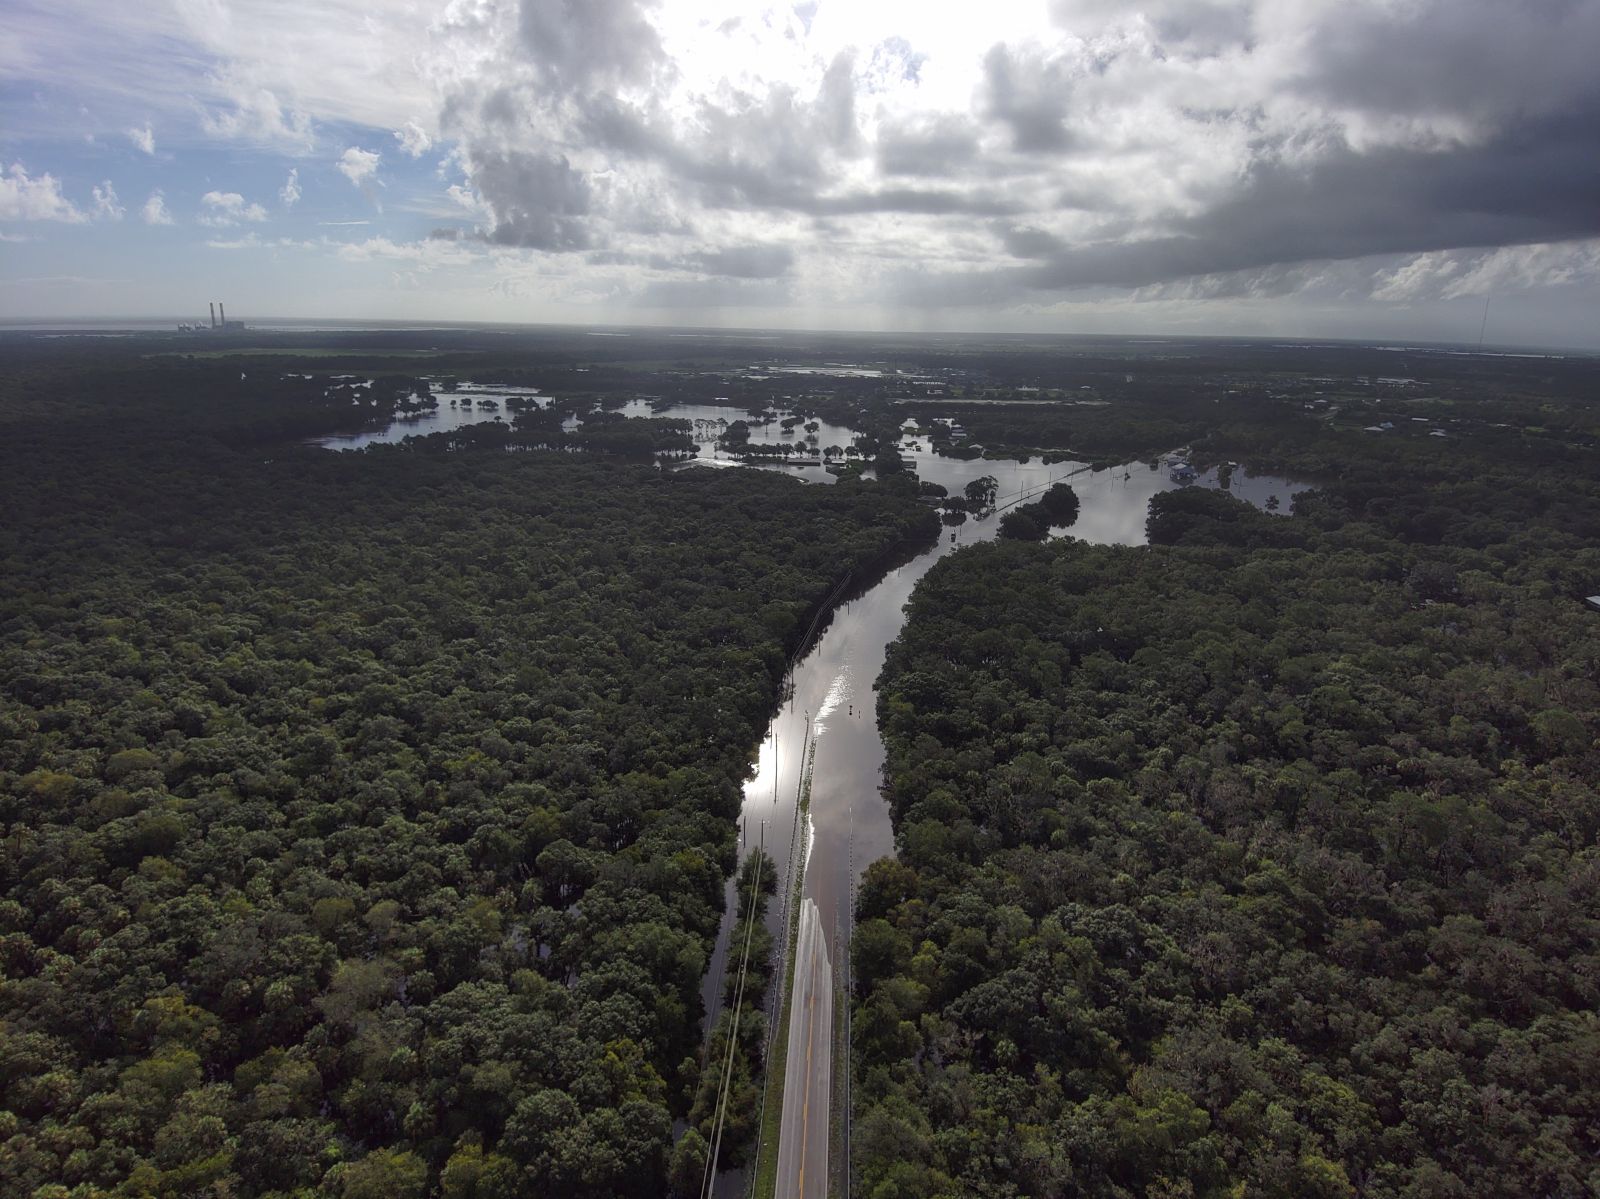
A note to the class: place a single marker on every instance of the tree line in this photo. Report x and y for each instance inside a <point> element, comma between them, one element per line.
<point>364,818</point>
<point>1260,860</point>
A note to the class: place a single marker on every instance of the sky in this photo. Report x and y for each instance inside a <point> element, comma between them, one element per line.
<point>1395,169</point>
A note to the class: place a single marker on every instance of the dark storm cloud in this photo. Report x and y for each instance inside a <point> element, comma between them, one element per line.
<point>582,42</point>
<point>836,106</point>
<point>537,200</point>
<point>1023,241</point>
<point>1029,93</point>
<point>911,201</point>
<point>940,147</point>
<point>775,153</point>
<point>1182,28</point>
<point>1437,125</point>
<point>745,262</point>
<point>1193,28</point>
<point>1482,60</point>
<point>1538,181</point>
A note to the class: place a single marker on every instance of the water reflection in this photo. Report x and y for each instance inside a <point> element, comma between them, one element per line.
<point>833,685</point>
<point>467,410</point>
<point>832,692</point>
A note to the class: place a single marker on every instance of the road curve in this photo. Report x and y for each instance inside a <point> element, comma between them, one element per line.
<point>808,1077</point>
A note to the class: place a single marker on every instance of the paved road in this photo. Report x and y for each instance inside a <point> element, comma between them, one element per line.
<point>807,1080</point>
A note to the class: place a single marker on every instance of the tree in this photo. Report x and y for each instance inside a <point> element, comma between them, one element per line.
<point>385,1174</point>
<point>981,491</point>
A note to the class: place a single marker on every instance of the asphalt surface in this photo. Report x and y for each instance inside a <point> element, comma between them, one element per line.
<point>807,1080</point>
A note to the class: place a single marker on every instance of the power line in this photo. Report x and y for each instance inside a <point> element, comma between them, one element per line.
<point>725,1088</point>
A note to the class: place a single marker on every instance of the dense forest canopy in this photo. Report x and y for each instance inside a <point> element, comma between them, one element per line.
<point>1258,861</point>
<point>364,818</point>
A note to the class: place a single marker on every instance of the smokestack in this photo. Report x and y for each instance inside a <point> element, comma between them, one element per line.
<point>223,313</point>
<point>213,315</point>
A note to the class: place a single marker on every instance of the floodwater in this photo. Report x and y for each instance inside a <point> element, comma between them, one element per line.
<point>832,695</point>
<point>830,701</point>
<point>438,420</point>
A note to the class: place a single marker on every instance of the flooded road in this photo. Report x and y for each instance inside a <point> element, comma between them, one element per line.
<point>831,695</point>
<point>832,688</point>
<point>829,700</point>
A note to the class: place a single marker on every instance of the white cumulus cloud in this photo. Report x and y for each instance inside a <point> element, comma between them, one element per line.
<point>106,205</point>
<point>155,211</point>
<point>358,165</point>
<point>144,138</point>
<point>228,208</point>
<point>25,198</point>
<point>413,139</point>
<point>289,193</point>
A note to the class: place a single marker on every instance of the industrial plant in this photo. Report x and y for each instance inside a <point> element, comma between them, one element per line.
<point>219,322</point>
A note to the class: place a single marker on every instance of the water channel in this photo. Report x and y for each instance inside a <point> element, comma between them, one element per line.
<point>831,689</point>
<point>830,697</point>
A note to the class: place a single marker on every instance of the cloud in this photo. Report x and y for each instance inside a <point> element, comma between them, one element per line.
<point>221,209</point>
<point>106,206</point>
<point>289,193</point>
<point>1029,93</point>
<point>593,42</point>
<point>253,241</point>
<point>1456,62</point>
<point>692,295</point>
<point>1531,183</point>
<point>155,211</point>
<point>745,262</point>
<point>358,165</point>
<point>1461,274</point>
<point>422,255</point>
<point>24,198</point>
<point>537,201</point>
<point>1014,155</point>
<point>144,138</point>
<point>931,146</point>
<point>413,139</point>
<point>255,114</point>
